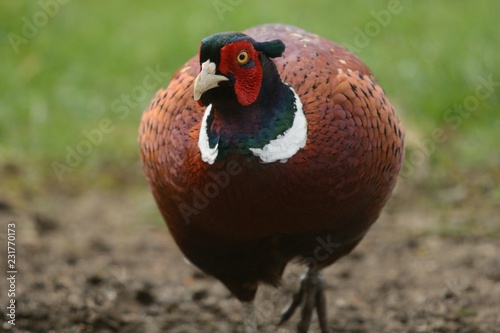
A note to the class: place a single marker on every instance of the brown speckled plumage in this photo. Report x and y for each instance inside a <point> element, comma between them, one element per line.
<point>264,215</point>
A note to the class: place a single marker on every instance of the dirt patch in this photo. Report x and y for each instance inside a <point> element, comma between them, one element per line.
<point>104,262</point>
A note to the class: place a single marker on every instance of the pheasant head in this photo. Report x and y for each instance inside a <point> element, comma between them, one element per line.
<point>249,109</point>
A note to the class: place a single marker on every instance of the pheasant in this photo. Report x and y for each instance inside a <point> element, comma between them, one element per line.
<point>271,145</point>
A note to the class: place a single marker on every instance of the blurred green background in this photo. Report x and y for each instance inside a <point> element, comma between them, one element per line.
<point>66,66</point>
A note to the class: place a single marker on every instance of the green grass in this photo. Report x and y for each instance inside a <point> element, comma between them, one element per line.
<point>67,76</point>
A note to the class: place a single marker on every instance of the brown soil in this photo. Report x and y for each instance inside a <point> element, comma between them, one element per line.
<point>104,262</point>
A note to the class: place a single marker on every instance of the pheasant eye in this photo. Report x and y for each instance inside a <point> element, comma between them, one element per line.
<point>242,57</point>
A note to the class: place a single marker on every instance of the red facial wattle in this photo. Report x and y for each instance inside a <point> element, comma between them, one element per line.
<point>248,76</point>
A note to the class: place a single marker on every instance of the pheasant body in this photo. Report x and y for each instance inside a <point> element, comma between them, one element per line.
<point>285,147</point>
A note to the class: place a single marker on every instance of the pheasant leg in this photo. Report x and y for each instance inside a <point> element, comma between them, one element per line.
<point>310,296</point>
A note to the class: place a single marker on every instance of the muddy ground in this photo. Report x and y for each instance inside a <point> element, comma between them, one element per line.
<point>103,262</point>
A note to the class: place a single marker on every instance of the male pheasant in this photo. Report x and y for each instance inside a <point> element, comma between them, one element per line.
<point>271,145</point>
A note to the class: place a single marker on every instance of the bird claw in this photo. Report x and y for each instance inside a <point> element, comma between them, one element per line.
<point>310,296</point>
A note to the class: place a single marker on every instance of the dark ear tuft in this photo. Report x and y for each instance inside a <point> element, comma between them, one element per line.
<point>272,49</point>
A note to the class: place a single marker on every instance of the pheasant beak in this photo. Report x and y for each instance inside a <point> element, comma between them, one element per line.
<point>207,79</point>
